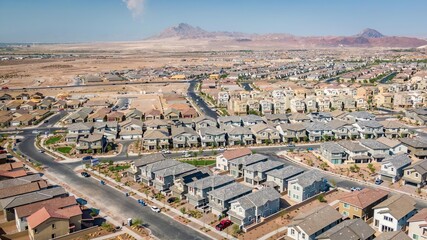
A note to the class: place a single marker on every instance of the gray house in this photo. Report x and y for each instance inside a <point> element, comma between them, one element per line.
<point>376,150</point>
<point>225,121</point>
<point>306,185</point>
<point>333,152</point>
<point>356,152</point>
<point>219,199</point>
<point>256,174</point>
<point>184,137</point>
<point>147,172</point>
<point>293,132</point>
<point>250,208</point>
<point>204,122</point>
<point>392,167</point>
<point>265,133</point>
<point>180,185</point>
<point>238,164</point>
<point>350,229</point>
<point>343,130</point>
<point>317,131</point>
<point>164,178</point>
<point>279,177</point>
<point>198,190</point>
<point>212,136</point>
<point>239,136</point>
<point>135,166</point>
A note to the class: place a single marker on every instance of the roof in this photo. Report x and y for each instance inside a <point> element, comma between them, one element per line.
<point>47,213</point>
<point>364,198</point>
<point>355,229</point>
<point>27,210</point>
<point>292,126</point>
<point>249,159</point>
<point>238,130</point>
<point>332,147</point>
<point>211,181</point>
<point>230,191</point>
<point>22,189</point>
<point>182,130</point>
<point>316,219</point>
<point>395,235</point>
<point>420,166</point>
<point>258,198</point>
<point>397,205</point>
<point>224,119</point>
<point>175,170</point>
<point>211,131</point>
<point>414,142</point>
<point>389,142</point>
<point>272,117</point>
<point>262,126</point>
<point>28,198</point>
<point>361,114</point>
<point>149,158</point>
<point>398,161</point>
<point>252,118</point>
<point>19,181</point>
<point>370,124</point>
<point>352,146</point>
<point>92,138</point>
<point>203,118</point>
<point>236,153</point>
<point>336,123</point>
<point>156,134</point>
<point>156,166</point>
<point>286,172</point>
<point>420,216</point>
<point>308,178</point>
<point>392,124</point>
<point>263,166</point>
<point>298,117</point>
<point>373,144</point>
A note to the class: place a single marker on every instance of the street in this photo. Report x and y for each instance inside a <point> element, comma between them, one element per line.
<point>202,105</point>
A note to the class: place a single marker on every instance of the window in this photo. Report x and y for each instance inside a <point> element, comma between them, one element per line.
<point>53,226</point>
<point>292,232</point>
<point>388,218</point>
<point>415,236</point>
<point>35,230</point>
<point>303,235</point>
<point>53,235</point>
<point>416,174</point>
<point>346,205</point>
<point>345,213</point>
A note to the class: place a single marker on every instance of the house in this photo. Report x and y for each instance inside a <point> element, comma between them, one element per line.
<point>23,212</point>
<point>180,184</point>
<point>393,213</point>
<point>184,137</point>
<point>309,225</point>
<point>80,115</point>
<point>234,121</point>
<point>279,177</point>
<point>356,153</point>
<point>265,134</point>
<point>320,117</point>
<point>394,235</point>
<point>275,119</point>
<point>417,227</point>
<point>164,178</point>
<point>50,222</point>
<point>144,160</point>
<point>318,131</point>
<point>11,191</point>
<point>395,146</point>
<point>349,229</point>
<point>109,129</point>
<point>93,143</point>
<point>306,185</point>
<point>416,146</point>
<point>23,120</point>
<point>222,160</point>
<point>237,165</point>
<point>147,175</point>
<point>239,136</point>
<point>255,174</point>
<point>132,128</point>
<point>254,206</point>
<point>9,204</point>
<point>392,167</point>
<point>250,120</point>
<point>359,116</point>
<point>416,174</point>
<point>220,198</point>
<point>359,204</point>
<point>333,152</point>
<point>376,150</point>
<point>198,190</point>
<point>115,117</point>
<point>172,114</point>
<point>298,118</point>
<point>369,129</point>
<point>294,132</point>
<point>212,137</point>
<point>155,124</point>
<point>394,129</point>
<point>343,130</point>
<point>156,139</point>
<point>153,114</point>
<point>204,122</point>
<point>135,114</point>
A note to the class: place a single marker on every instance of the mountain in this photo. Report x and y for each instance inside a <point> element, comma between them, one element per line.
<point>367,38</point>
<point>370,33</point>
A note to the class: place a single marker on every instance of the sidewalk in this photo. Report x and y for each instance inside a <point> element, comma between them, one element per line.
<point>175,212</point>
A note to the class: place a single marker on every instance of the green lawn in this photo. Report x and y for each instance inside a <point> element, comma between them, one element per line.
<point>53,140</point>
<point>200,162</point>
<point>118,168</point>
<point>64,150</point>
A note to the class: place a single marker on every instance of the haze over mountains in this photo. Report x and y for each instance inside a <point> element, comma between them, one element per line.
<point>367,38</point>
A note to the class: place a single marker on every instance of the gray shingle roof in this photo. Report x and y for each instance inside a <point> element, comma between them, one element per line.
<point>398,161</point>
<point>249,159</point>
<point>316,219</point>
<point>395,235</point>
<point>420,167</point>
<point>24,199</point>
<point>355,229</point>
<point>212,181</point>
<point>361,114</point>
<point>332,147</point>
<point>239,130</point>
<point>286,172</point>
<point>149,158</point>
<point>397,205</point>
<point>230,191</point>
<point>211,131</point>
<point>156,166</point>
<point>373,144</point>
<point>352,146</point>
<point>308,178</point>
<point>258,198</point>
<point>263,166</point>
<point>314,126</point>
<point>371,124</point>
<point>292,126</point>
<point>175,170</point>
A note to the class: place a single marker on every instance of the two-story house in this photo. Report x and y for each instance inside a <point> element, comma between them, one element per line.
<point>131,129</point>
<point>265,134</point>
<point>369,129</point>
<point>395,146</point>
<point>198,190</point>
<point>376,150</point>
<point>237,165</point>
<point>318,131</point>
<point>180,184</point>
<point>349,229</point>
<point>156,139</point>
<point>222,160</point>
<point>220,198</point>
<point>356,152</point>
<point>394,129</point>
<point>212,137</point>
<point>184,137</point>
<point>148,171</point>
<point>239,136</point>
<point>256,174</point>
<point>279,177</point>
<point>333,152</point>
<point>234,121</point>
<point>164,178</point>
<point>417,228</point>
<point>359,204</point>
<point>343,130</point>
<point>250,120</point>
<point>204,122</point>
<point>416,174</point>
<point>93,143</point>
<point>254,206</point>
<point>309,225</point>
<point>306,185</point>
<point>293,132</point>
<point>393,213</point>
<point>135,171</point>
<point>392,167</point>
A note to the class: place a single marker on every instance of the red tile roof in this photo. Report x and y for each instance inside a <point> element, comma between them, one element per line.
<point>364,198</point>
<point>47,213</point>
<point>236,153</point>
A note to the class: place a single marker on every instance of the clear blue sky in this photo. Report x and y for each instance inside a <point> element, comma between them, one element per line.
<point>111,20</point>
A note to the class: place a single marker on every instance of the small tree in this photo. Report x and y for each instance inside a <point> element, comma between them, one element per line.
<point>371,168</point>
<point>183,210</point>
<point>321,198</point>
<point>137,222</point>
<point>236,230</point>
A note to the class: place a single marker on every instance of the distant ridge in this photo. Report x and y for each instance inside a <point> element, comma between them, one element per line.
<point>367,38</point>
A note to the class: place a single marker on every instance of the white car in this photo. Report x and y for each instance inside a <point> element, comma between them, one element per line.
<point>155,209</point>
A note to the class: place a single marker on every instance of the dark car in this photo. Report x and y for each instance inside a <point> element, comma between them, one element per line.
<point>172,199</point>
<point>87,158</point>
<point>85,174</point>
<point>46,121</point>
<point>223,224</point>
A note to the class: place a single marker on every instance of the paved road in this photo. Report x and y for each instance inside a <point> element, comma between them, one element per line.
<point>162,226</point>
<point>203,106</point>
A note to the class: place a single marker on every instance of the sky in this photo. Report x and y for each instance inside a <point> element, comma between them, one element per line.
<point>58,21</point>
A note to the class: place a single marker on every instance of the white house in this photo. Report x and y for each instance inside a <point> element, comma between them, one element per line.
<point>393,213</point>
<point>222,160</point>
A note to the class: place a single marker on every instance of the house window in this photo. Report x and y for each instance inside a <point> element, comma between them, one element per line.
<point>416,174</point>
<point>303,235</point>
<point>53,226</point>
<point>415,236</point>
<point>346,205</point>
<point>35,230</point>
<point>53,235</point>
<point>388,218</point>
<point>292,232</point>
<point>345,213</point>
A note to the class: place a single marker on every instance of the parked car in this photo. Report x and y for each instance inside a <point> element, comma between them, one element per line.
<point>87,158</point>
<point>35,132</point>
<point>41,151</point>
<point>155,209</point>
<point>172,199</point>
<point>291,145</point>
<point>223,224</point>
<point>140,201</point>
<point>4,88</point>
<point>166,151</point>
<point>46,121</point>
<point>85,174</point>
<point>378,181</point>
<point>186,154</point>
